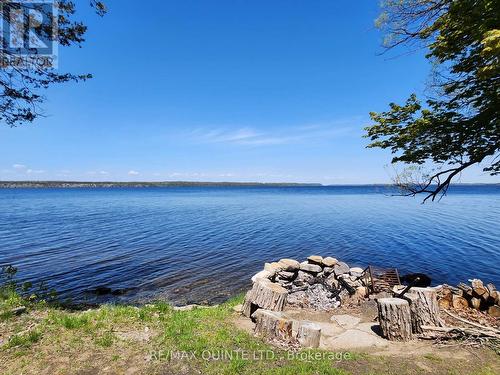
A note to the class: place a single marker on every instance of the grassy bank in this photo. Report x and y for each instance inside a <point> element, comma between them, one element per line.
<point>156,339</point>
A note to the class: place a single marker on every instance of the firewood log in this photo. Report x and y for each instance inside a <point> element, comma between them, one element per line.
<point>460,303</point>
<point>475,303</point>
<point>444,303</point>
<point>480,292</point>
<point>466,289</point>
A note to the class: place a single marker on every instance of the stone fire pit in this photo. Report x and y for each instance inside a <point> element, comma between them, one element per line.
<point>316,284</point>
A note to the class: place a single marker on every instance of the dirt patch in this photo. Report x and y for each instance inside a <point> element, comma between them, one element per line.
<point>437,362</point>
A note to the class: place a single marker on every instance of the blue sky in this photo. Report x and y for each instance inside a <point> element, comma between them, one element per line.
<point>220,90</point>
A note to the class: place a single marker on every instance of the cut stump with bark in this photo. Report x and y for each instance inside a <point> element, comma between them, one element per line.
<point>424,308</point>
<point>395,319</point>
<point>272,324</point>
<point>309,334</point>
<point>264,295</point>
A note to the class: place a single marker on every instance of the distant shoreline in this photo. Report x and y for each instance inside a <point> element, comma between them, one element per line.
<point>138,184</point>
<point>110,184</point>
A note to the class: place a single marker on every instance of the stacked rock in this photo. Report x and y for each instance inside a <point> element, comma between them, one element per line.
<point>318,283</point>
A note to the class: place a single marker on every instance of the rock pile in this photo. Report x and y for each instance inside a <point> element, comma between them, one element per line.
<point>317,283</point>
<point>475,295</point>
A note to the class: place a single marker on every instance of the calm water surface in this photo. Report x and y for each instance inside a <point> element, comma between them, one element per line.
<point>196,244</point>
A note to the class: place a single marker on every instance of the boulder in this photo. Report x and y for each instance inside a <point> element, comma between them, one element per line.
<point>352,281</point>
<point>281,281</point>
<point>315,259</point>
<point>311,268</point>
<point>332,282</point>
<point>261,275</point>
<point>356,271</point>
<point>329,261</point>
<point>327,270</point>
<point>289,264</point>
<point>286,275</point>
<point>340,268</point>
<point>303,278</point>
<point>273,267</point>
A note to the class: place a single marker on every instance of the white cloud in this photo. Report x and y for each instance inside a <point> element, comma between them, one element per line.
<point>133,173</point>
<point>187,174</point>
<point>93,173</point>
<point>223,135</point>
<point>282,135</point>
<point>23,169</point>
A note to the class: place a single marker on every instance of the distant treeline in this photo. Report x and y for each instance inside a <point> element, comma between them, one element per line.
<point>78,184</point>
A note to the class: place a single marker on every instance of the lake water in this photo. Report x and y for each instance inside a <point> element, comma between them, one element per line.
<point>202,244</point>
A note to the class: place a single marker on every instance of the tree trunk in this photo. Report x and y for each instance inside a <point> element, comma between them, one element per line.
<point>272,324</point>
<point>309,334</point>
<point>395,319</point>
<point>264,295</point>
<point>424,308</point>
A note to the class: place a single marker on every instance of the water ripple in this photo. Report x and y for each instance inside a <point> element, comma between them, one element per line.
<point>203,244</point>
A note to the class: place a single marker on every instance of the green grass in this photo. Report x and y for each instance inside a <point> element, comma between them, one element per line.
<point>105,340</point>
<point>432,357</point>
<point>118,337</point>
<point>24,340</point>
<point>70,321</point>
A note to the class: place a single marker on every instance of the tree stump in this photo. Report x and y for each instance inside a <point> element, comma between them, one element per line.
<point>424,308</point>
<point>395,319</point>
<point>264,295</point>
<point>272,324</point>
<point>309,334</point>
